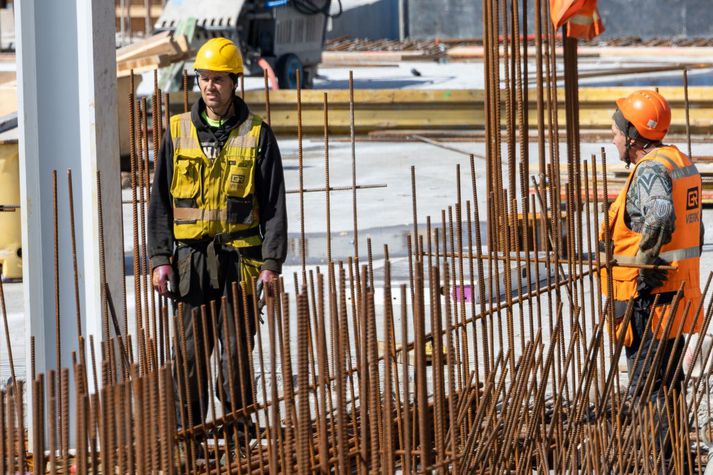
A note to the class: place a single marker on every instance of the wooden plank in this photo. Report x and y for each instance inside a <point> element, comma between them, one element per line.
<point>338,97</point>
<point>157,44</point>
<point>139,65</point>
<point>673,94</point>
<point>182,43</point>
<point>170,78</point>
<point>477,52</point>
<point>389,109</point>
<point>366,57</point>
<point>648,51</point>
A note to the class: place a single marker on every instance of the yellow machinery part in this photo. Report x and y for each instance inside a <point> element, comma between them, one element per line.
<point>10,229</point>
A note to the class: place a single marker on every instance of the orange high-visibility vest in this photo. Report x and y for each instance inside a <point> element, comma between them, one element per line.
<point>582,18</point>
<point>683,252</point>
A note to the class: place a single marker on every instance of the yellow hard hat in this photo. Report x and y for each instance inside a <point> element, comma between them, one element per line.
<point>219,54</point>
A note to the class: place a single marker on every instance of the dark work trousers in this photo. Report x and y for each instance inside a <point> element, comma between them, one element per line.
<point>233,386</point>
<point>672,350</point>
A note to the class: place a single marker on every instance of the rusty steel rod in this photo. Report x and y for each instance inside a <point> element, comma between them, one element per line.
<point>388,364</point>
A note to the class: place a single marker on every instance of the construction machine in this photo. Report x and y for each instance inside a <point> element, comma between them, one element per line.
<point>283,35</point>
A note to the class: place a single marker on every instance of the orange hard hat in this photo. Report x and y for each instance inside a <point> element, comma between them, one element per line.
<point>648,112</point>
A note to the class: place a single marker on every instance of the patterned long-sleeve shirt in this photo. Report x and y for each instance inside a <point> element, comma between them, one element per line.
<point>649,206</point>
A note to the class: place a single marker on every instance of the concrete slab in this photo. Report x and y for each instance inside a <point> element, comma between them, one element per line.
<point>384,214</point>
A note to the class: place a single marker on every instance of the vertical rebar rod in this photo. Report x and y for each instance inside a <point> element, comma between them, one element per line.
<point>74,253</point>
<point>686,104</point>
<point>143,164</point>
<point>352,136</point>
<point>300,164</point>
<point>327,192</point>
<point>405,381</point>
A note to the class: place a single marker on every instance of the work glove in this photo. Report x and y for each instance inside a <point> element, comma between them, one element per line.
<point>649,279</point>
<point>161,279</point>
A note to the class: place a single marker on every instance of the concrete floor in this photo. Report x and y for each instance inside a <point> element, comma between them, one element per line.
<point>384,214</point>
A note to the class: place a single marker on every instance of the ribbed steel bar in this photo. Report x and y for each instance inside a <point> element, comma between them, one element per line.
<point>434,399</point>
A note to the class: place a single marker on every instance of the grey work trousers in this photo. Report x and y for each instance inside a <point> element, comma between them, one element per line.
<point>201,327</point>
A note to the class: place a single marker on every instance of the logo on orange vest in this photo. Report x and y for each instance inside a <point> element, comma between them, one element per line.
<point>692,218</point>
<point>692,198</point>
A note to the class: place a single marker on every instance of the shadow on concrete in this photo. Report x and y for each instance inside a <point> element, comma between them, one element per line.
<point>702,77</point>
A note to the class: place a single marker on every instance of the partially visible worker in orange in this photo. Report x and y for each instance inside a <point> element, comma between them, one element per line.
<point>655,220</point>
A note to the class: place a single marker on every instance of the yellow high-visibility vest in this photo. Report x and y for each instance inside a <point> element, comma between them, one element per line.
<point>212,197</point>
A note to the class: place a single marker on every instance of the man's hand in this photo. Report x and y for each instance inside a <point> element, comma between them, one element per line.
<point>264,281</point>
<point>160,278</point>
<point>649,279</point>
<point>264,286</point>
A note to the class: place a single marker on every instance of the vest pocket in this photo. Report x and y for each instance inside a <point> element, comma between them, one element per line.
<point>240,210</point>
<point>185,203</point>
<point>186,178</point>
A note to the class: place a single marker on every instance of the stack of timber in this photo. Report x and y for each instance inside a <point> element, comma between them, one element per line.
<point>451,109</point>
<point>157,51</point>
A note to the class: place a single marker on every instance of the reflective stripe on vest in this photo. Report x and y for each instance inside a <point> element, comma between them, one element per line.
<point>674,255</point>
<point>212,197</point>
<point>682,252</point>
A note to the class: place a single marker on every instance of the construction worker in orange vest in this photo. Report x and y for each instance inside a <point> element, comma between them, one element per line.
<point>654,222</point>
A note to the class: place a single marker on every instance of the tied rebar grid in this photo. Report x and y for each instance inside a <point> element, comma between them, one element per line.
<point>491,356</point>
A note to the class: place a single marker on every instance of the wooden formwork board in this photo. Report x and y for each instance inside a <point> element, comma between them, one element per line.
<point>383,109</point>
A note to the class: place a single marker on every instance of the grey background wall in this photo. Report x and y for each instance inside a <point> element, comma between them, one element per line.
<point>376,20</point>
<point>463,18</point>
<point>642,18</point>
<point>657,18</point>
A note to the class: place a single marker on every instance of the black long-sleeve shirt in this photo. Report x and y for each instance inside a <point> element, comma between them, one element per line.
<point>269,189</point>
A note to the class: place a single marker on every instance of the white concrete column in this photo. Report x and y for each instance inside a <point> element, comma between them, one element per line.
<point>67,117</point>
<point>98,126</point>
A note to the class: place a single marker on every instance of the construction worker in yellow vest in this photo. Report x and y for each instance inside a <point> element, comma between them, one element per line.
<point>216,217</point>
<point>655,221</point>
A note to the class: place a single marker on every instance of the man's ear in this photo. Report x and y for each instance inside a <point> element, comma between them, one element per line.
<point>236,81</point>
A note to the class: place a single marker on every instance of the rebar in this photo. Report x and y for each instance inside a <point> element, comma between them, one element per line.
<point>478,364</point>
